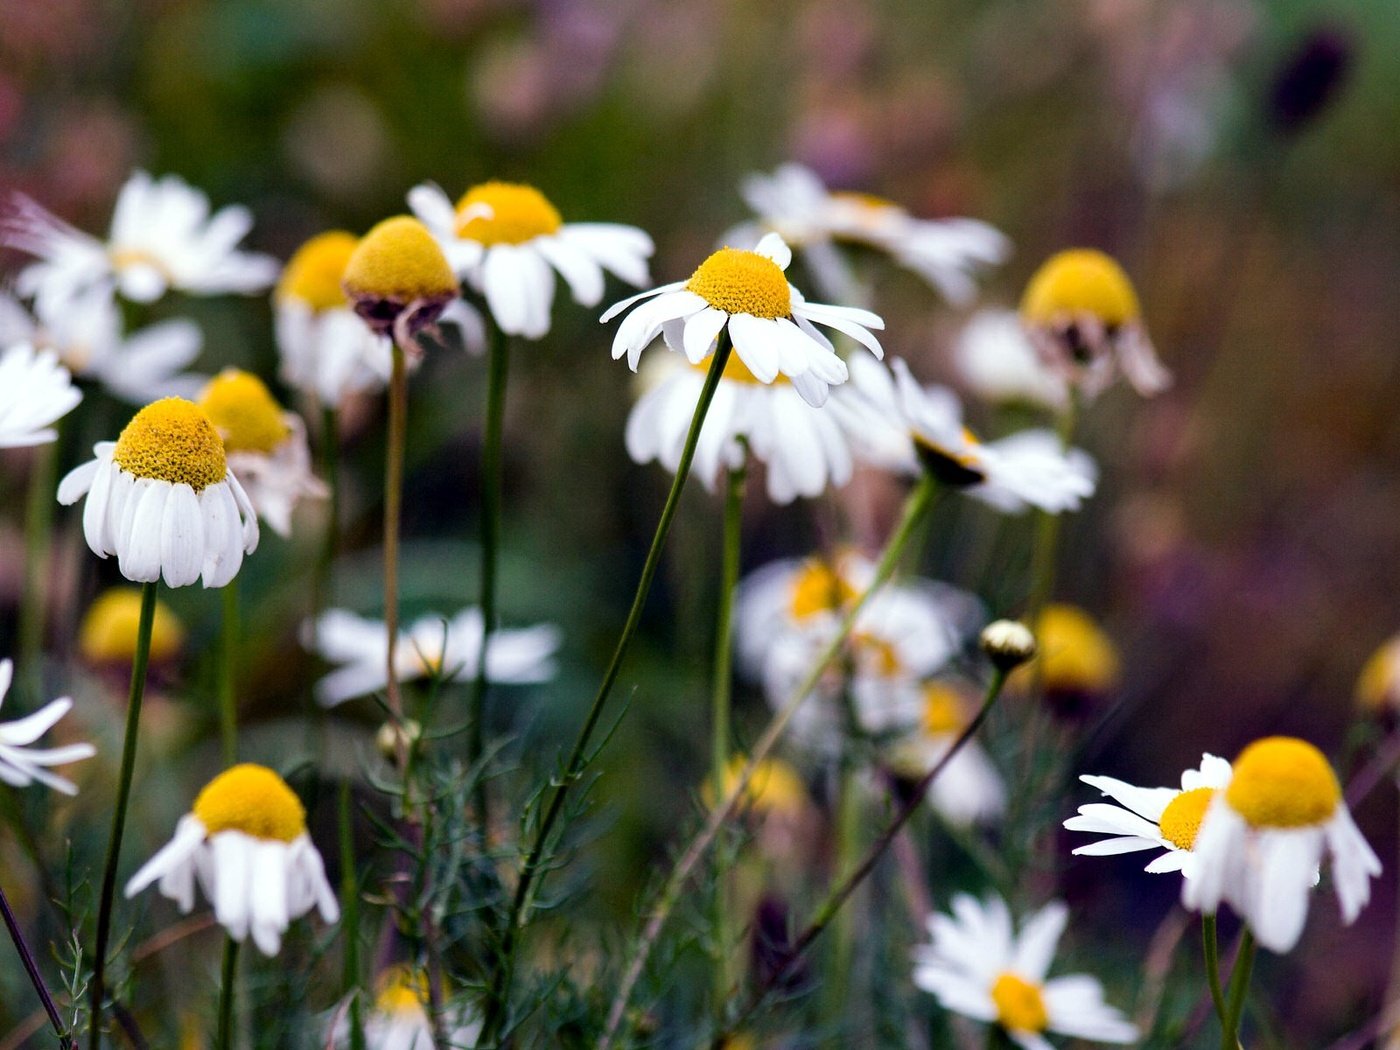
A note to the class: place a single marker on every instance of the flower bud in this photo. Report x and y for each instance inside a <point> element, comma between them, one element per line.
<point>390,736</point>
<point>1008,644</point>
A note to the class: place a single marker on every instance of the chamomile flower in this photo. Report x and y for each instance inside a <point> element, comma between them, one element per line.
<point>979,966</point>
<point>969,790</point>
<point>769,322</point>
<point>21,764</point>
<point>266,447</point>
<point>1378,686</point>
<point>246,843</point>
<point>1077,660</point>
<point>1264,836</point>
<point>398,280</point>
<point>162,499</point>
<point>431,646</point>
<point>775,788</point>
<point>996,361</point>
<point>35,392</point>
<point>1152,818</point>
<point>398,1018</point>
<point>109,629</point>
<point>506,240</point>
<point>162,237</point>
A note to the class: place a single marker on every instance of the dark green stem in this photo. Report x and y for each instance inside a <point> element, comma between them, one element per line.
<point>1211,946</point>
<point>350,924</point>
<point>226,989</point>
<point>1239,992</point>
<point>228,673</point>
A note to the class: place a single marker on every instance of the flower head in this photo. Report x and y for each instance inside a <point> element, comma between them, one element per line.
<point>21,764</point>
<point>1378,686</point>
<point>775,787</point>
<point>107,634</point>
<point>35,392</point>
<point>970,790</point>
<point>1078,662</point>
<point>398,1018</point>
<point>398,279</point>
<point>996,361</point>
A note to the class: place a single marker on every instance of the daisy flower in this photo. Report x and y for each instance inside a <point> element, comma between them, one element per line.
<point>768,321</point>
<point>1152,818</point>
<point>432,646</point>
<point>506,240</point>
<point>1264,837</point>
<point>996,361</point>
<point>35,392</point>
<point>21,764</point>
<point>979,966</point>
<point>162,237</point>
<point>266,447</point>
<point>162,499</point>
<point>109,628</point>
<point>398,1019</point>
<point>1378,686</point>
<point>969,790</point>
<point>1078,662</point>
<point>793,202</point>
<point>246,843</point>
<point>398,280</point>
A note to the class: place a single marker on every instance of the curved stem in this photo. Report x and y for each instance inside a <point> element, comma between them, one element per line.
<point>393,500</point>
<point>226,989</point>
<point>1239,991</point>
<point>97,987</point>
<point>1211,946</point>
<point>26,957</point>
<point>228,673</point>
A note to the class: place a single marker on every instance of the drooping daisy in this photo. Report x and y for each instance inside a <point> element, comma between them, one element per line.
<point>398,1019</point>
<point>162,237</point>
<point>969,790</point>
<point>506,240</point>
<point>431,646</point>
<point>398,280</point>
<point>997,362</point>
<point>35,392</point>
<point>162,499</point>
<point>246,842</point>
<point>109,629</point>
<point>1083,318</point>
<point>266,446</point>
<point>1264,836</point>
<point>1152,818</point>
<point>979,966</point>
<point>793,202</point>
<point>771,325</point>
<point>21,764</point>
<point>1378,686</point>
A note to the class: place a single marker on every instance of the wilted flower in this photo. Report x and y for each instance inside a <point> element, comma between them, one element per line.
<point>398,280</point>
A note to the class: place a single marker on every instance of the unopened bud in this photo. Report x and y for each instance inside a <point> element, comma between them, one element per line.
<point>1008,644</point>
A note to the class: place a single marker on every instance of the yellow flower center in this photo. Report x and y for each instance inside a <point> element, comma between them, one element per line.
<point>959,467</point>
<point>1182,817</point>
<point>872,201</point>
<point>775,786</point>
<point>943,710</point>
<point>740,282</point>
<point>1080,281</point>
<point>125,258</point>
<point>398,260</point>
<point>402,989</point>
<point>244,412</point>
<point>818,588</point>
<point>735,371</point>
<point>505,213</point>
<point>109,628</point>
<point>1283,782</point>
<point>1075,654</point>
<point>1376,688</point>
<point>1020,1004</point>
<point>172,440</point>
<point>314,272</point>
<point>254,800</point>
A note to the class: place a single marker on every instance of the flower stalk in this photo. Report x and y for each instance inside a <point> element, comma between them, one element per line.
<point>1239,992</point>
<point>226,990</point>
<point>228,673</point>
<point>26,958</point>
<point>393,501</point>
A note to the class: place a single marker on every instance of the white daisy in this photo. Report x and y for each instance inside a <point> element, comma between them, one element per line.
<point>246,842</point>
<point>432,645</point>
<point>35,392</point>
<point>162,499</point>
<point>1152,818</point>
<point>398,1020</point>
<point>969,790</point>
<point>979,966</point>
<point>793,202</point>
<point>771,326</point>
<point>21,764</point>
<point>506,240</point>
<point>162,237</point>
<point>1264,836</point>
<point>997,362</point>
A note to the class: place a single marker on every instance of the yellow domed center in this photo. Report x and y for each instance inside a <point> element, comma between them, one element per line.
<point>735,371</point>
<point>1077,282</point>
<point>398,260</point>
<point>1379,684</point>
<point>1020,1004</point>
<point>1182,817</point>
<point>505,213</point>
<point>172,440</point>
<point>943,710</point>
<point>109,628</point>
<point>244,411</point>
<point>775,786</point>
<point>1076,654</point>
<point>1283,782</point>
<point>818,588</point>
<point>740,282</point>
<point>254,800</point>
<point>402,989</point>
<point>313,274</point>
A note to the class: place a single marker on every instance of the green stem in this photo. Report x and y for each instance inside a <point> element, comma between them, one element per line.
<point>848,824</point>
<point>350,924</point>
<point>228,673</point>
<point>1211,946</point>
<point>97,988</point>
<point>38,522</point>
<point>393,499</point>
<point>1239,992</point>
<point>226,990</point>
<point>499,988</point>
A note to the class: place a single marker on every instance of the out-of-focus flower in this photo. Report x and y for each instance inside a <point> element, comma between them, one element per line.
<point>398,1019</point>
<point>246,842</point>
<point>432,646</point>
<point>1310,79</point>
<point>108,632</point>
<point>506,240</point>
<point>996,360</point>
<point>979,966</point>
<point>1007,644</point>
<point>770,323</point>
<point>35,392</point>
<point>398,280</point>
<point>1078,662</point>
<point>775,787</point>
<point>1264,836</point>
<point>1378,687</point>
<point>969,790</point>
<point>162,499</point>
<point>794,594</point>
<point>1152,818</point>
<point>21,764</point>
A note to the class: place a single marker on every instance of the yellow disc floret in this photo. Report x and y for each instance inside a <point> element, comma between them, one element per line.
<point>254,800</point>
<point>402,989</point>
<point>172,440</point>
<point>1182,817</point>
<point>505,213</point>
<point>1075,653</point>
<point>314,272</point>
<point>1020,1004</point>
<point>1283,782</point>
<point>109,628</point>
<point>244,411</point>
<point>819,588</point>
<point>740,282</point>
<point>775,786</point>
<point>944,713</point>
<point>1378,687</point>
<point>399,260</point>
<point>1078,282</point>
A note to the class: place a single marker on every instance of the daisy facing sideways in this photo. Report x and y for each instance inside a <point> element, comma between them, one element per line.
<point>35,392</point>
<point>21,764</point>
<point>979,966</point>
<point>398,1018</point>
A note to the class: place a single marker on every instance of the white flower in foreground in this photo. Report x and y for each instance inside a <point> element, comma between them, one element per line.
<point>162,499</point>
<point>246,842</point>
<point>1264,836</point>
<point>432,645</point>
<point>770,324</point>
<point>506,240</point>
<point>969,790</point>
<point>793,202</point>
<point>398,1019</point>
<point>35,392</point>
<point>1152,818</point>
<point>997,361</point>
<point>21,764</point>
<point>978,966</point>
<point>162,237</point>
